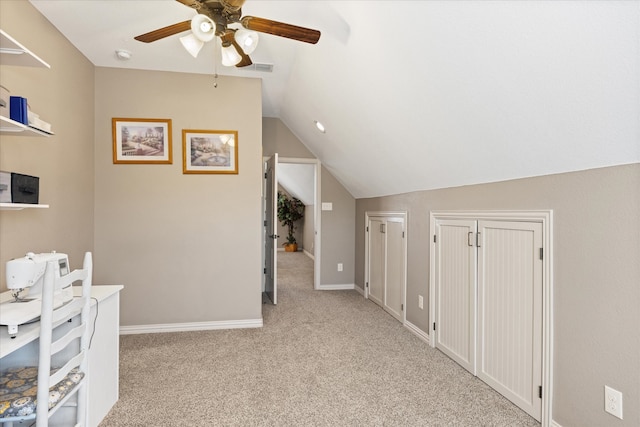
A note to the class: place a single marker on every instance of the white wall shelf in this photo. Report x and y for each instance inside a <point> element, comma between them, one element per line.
<point>11,127</point>
<point>20,206</point>
<point>13,53</point>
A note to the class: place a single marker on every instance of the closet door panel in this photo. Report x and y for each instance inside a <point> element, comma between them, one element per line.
<point>510,311</point>
<point>394,289</point>
<point>456,291</point>
<point>377,270</point>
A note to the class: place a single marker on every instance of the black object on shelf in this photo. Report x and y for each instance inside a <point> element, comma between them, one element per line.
<point>24,188</point>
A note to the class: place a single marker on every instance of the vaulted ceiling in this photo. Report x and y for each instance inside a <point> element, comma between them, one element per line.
<point>417,95</point>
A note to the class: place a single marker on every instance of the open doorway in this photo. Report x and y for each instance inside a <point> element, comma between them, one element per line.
<point>299,178</point>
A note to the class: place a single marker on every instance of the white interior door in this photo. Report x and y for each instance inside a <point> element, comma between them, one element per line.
<point>395,268</point>
<point>456,291</point>
<point>510,311</point>
<point>514,288</point>
<point>376,260</point>
<point>271,236</point>
<point>385,264</point>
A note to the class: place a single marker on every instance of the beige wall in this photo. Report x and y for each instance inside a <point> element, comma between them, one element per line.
<point>338,232</point>
<point>63,96</point>
<point>187,248</point>
<point>596,276</point>
<point>277,138</point>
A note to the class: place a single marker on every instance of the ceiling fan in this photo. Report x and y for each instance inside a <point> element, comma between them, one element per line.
<point>215,18</point>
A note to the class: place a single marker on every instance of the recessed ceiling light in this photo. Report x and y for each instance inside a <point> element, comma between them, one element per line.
<point>320,126</point>
<point>123,55</point>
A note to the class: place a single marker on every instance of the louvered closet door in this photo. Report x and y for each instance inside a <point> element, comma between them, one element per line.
<point>394,287</point>
<point>510,311</point>
<point>456,290</point>
<point>377,263</point>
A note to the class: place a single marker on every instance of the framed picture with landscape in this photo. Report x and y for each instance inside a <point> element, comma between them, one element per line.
<point>210,151</point>
<point>141,141</point>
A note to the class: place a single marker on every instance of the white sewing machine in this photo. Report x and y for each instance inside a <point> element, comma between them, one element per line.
<point>25,276</point>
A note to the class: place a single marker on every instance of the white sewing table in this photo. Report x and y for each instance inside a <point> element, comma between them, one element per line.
<point>103,354</point>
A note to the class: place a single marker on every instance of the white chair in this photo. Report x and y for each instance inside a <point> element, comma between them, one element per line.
<point>48,382</point>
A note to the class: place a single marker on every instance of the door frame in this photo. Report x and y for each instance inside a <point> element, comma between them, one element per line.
<point>387,214</point>
<point>316,215</point>
<point>270,240</point>
<point>545,217</point>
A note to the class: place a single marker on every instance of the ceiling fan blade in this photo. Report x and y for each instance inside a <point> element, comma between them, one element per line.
<point>164,32</point>
<point>281,29</point>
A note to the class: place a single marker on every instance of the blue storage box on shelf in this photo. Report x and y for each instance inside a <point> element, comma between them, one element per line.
<point>18,109</point>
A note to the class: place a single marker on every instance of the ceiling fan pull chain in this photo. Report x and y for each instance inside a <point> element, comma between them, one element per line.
<point>215,64</point>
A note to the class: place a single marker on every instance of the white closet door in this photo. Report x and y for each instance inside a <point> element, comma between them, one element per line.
<point>509,356</point>
<point>395,271</point>
<point>456,290</point>
<point>377,257</point>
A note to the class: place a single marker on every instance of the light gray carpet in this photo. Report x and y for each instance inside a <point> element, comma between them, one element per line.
<point>323,358</point>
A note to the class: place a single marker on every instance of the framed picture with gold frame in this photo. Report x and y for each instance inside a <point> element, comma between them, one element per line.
<point>210,151</point>
<point>140,141</point>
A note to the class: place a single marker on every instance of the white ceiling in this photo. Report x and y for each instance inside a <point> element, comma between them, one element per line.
<point>418,95</point>
<point>298,179</point>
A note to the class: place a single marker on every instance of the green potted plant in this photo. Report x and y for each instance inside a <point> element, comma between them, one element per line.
<point>290,210</point>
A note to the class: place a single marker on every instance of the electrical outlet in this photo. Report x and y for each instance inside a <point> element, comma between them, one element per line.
<point>420,302</point>
<point>339,266</point>
<point>613,402</point>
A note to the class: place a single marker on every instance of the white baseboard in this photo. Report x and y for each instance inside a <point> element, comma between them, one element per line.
<point>417,331</point>
<point>193,326</point>
<point>344,287</point>
<point>359,290</point>
<point>309,254</point>
<point>554,424</point>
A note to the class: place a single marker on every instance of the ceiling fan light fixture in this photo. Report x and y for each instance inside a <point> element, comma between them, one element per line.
<point>320,126</point>
<point>247,39</point>
<point>192,44</point>
<point>203,27</point>
<point>230,56</point>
